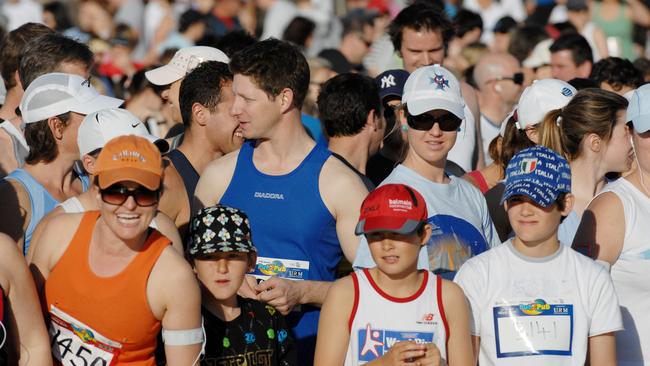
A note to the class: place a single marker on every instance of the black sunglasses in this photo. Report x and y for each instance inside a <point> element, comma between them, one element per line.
<point>424,122</point>
<point>117,195</point>
<point>517,78</point>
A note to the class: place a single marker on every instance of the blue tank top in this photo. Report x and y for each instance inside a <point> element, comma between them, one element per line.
<point>40,200</point>
<point>291,229</point>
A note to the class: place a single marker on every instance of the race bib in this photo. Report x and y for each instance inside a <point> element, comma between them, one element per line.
<point>284,268</point>
<point>534,328</point>
<point>374,343</point>
<point>75,344</point>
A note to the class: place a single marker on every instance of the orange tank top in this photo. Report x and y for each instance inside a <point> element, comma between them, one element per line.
<point>114,307</point>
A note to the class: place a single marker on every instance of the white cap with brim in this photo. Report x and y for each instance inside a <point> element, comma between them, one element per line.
<point>184,61</point>
<point>540,56</point>
<point>433,87</point>
<point>58,93</point>
<point>102,126</point>
<point>540,98</point>
<point>638,111</point>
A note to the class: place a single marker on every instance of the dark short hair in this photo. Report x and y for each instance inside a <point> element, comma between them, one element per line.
<point>420,16</point>
<point>41,142</point>
<point>344,103</point>
<point>12,48</point>
<point>202,85</point>
<point>189,18</point>
<point>524,39</point>
<point>46,53</point>
<point>616,72</point>
<point>466,21</point>
<point>235,41</point>
<point>298,31</point>
<point>274,65</point>
<point>60,13</point>
<point>577,44</point>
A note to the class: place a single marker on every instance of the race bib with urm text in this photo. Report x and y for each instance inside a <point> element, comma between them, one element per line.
<point>533,328</point>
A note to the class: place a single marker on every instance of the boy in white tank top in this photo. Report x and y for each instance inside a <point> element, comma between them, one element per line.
<point>394,313</point>
<point>534,301</point>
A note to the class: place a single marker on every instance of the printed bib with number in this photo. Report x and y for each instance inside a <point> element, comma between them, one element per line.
<point>374,343</point>
<point>74,343</point>
<point>284,268</point>
<point>533,328</point>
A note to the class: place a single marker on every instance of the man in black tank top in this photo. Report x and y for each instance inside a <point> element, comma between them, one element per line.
<point>351,114</point>
<point>210,132</point>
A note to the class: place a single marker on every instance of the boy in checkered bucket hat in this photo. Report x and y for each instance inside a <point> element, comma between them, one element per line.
<point>221,251</point>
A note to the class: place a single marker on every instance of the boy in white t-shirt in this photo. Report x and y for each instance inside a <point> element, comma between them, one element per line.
<point>534,301</point>
<point>394,314</point>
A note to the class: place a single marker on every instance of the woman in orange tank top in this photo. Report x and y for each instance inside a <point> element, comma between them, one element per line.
<point>110,282</point>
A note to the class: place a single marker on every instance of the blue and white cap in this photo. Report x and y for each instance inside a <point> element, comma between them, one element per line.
<point>540,98</point>
<point>538,173</point>
<point>638,111</point>
<point>391,83</point>
<point>433,87</point>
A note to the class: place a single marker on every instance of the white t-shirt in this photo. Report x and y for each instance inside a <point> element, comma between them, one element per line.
<point>631,276</point>
<point>458,214</point>
<point>421,319</point>
<point>463,150</point>
<point>537,311</point>
<point>488,132</point>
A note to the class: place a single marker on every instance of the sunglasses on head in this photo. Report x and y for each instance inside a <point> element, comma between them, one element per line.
<point>117,195</point>
<point>447,122</point>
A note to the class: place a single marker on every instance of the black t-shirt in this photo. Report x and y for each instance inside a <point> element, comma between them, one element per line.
<point>497,212</point>
<point>379,167</point>
<point>259,336</point>
<point>3,330</point>
<point>370,186</point>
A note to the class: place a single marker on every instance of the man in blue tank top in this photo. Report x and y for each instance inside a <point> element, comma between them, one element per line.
<point>302,202</point>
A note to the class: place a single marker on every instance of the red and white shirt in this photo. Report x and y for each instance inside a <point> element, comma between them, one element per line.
<point>378,320</point>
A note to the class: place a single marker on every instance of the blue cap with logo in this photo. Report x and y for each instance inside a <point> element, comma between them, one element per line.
<point>638,111</point>
<point>538,173</point>
<point>391,83</point>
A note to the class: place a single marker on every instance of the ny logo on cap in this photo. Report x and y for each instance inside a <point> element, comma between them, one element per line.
<point>439,81</point>
<point>388,81</point>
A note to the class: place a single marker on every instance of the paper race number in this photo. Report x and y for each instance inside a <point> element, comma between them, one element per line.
<point>73,343</point>
<point>536,328</point>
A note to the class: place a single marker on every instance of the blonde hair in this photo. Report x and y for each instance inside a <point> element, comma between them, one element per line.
<point>590,111</point>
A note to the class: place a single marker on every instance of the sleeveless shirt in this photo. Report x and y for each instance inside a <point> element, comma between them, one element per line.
<point>379,320</point>
<point>114,307</point>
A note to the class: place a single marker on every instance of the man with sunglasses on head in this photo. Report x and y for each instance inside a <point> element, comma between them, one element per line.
<point>499,80</point>
<point>462,227</point>
<point>52,108</point>
<point>109,281</point>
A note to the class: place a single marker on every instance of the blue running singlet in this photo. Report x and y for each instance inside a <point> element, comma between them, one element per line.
<point>295,234</point>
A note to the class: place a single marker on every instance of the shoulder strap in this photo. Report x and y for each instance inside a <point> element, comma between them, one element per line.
<point>186,171</point>
<point>353,313</point>
<point>441,307</point>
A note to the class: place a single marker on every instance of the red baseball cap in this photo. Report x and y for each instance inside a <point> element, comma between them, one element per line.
<point>395,208</point>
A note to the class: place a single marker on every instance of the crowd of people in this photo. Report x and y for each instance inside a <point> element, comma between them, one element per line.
<point>220,182</point>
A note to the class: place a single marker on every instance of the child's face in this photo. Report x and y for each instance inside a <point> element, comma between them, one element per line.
<point>396,253</point>
<point>533,223</point>
<point>223,273</point>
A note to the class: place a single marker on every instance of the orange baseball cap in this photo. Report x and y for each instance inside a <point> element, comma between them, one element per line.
<point>129,158</point>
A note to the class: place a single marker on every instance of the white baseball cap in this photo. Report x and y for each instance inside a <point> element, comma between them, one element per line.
<point>540,98</point>
<point>433,87</point>
<point>58,93</point>
<point>184,61</point>
<point>99,127</point>
<point>540,56</point>
<point>638,111</point>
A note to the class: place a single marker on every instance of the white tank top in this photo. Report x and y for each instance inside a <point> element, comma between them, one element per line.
<point>379,320</point>
<point>631,276</point>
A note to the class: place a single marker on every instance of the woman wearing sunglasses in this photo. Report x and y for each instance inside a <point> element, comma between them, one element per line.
<point>592,135</point>
<point>109,281</point>
<point>458,214</point>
